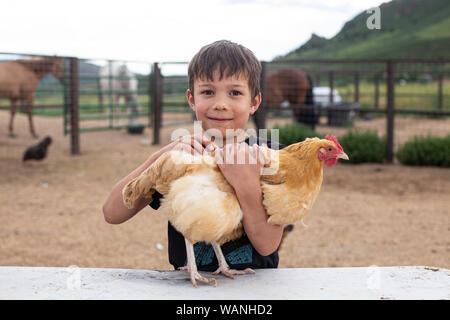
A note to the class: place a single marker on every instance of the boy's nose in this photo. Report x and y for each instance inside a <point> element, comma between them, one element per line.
<point>220,105</point>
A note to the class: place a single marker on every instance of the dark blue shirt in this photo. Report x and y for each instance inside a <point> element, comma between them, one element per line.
<point>239,253</point>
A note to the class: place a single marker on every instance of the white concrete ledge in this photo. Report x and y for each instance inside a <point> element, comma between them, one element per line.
<point>415,282</point>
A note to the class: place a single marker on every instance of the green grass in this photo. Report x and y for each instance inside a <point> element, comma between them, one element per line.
<point>413,95</point>
<point>435,31</point>
<point>419,29</point>
<point>89,105</point>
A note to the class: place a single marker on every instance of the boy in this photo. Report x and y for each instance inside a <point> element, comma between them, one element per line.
<point>223,92</point>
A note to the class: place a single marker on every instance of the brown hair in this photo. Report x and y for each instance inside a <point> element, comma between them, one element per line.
<point>230,59</point>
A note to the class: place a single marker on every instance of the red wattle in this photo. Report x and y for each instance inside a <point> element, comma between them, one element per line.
<point>331,162</point>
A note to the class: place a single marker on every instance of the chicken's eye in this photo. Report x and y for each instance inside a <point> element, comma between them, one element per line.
<point>330,149</point>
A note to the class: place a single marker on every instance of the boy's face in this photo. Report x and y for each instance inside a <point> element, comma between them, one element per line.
<point>223,104</point>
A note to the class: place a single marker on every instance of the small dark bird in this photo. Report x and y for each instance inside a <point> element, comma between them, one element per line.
<point>38,151</point>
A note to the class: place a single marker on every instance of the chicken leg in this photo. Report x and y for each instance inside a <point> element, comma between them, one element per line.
<point>192,267</point>
<point>224,268</point>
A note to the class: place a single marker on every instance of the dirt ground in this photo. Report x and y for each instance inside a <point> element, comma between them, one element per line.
<point>51,211</point>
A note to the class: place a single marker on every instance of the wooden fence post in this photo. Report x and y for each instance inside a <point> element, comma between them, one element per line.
<point>377,91</point>
<point>156,103</point>
<point>331,84</point>
<point>390,110</point>
<point>356,87</point>
<point>110,96</point>
<point>440,101</point>
<point>260,115</point>
<point>74,108</point>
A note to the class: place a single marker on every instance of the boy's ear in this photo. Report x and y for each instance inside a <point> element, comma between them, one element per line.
<point>256,102</point>
<point>190,99</point>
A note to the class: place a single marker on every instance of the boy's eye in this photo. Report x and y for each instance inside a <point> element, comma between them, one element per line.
<point>235,93</point>
<point>207,92</point>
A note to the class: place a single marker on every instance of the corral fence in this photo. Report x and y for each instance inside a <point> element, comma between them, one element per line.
<point>344,90</point>
<point>99,94</point>
<point>111,95</point>
<point>387,89</point>
<point>89,95</point>
<point>32,81</point>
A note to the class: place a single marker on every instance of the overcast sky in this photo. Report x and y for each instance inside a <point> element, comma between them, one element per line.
<point>169,30</point>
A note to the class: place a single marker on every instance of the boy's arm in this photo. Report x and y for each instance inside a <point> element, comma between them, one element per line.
<point>264,237</point>
<point>115,211</point>
<point>245,179</point>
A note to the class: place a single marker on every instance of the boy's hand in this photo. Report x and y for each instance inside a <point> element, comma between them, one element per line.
<point>240,165</point>
<point>192,144</point>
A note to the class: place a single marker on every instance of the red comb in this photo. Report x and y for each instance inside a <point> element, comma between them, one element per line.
<point>333,138</point>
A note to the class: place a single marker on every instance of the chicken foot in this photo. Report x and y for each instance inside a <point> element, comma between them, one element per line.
<point>192,267</point>
<point>224,268</point>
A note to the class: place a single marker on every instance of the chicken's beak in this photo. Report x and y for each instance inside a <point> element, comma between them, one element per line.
<point>342,155</point>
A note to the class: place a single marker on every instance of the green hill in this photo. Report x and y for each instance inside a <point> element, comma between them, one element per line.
<point>409,29</point>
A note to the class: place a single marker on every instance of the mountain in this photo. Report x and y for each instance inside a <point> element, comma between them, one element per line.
<point>315,42</point>
<point>409,29</point>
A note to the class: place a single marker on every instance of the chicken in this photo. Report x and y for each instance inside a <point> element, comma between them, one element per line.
<point>38,151</point>
<point>202,205</point>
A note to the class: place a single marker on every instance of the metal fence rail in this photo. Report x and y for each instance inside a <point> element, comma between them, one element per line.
<point>392,88</point>
<point>114,94</point>
<point>92,95</point>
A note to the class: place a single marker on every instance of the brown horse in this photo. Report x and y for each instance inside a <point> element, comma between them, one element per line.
<point>19,80</point>
<point>294,86</point>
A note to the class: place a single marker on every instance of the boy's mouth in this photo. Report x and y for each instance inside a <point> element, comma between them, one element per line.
<point>219,120</point>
